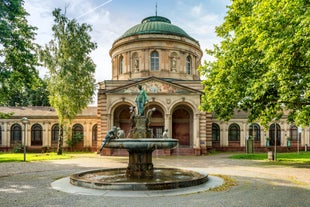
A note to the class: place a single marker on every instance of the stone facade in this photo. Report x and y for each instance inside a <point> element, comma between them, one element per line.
<point>41,131</point>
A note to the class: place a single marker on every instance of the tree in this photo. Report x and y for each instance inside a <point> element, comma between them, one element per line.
<point>18,56</point>
<point>71,82</point>
<point>262,65</point>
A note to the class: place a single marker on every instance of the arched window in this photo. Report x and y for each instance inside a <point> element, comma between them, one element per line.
<point>16,134</point>
<point>77,132</point>
<point>121,65</point>
<point>294,133</point>
<point>234,132</point>
<point>215,132</point>
<point>94,135</point>
<point>154,60</point>
<point>272,134</point>
<point>188,65</point>
<point>55,133</point>
<point>36,134</point>
<point>254,132</point>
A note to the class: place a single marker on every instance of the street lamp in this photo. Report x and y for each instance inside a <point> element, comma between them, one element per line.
<point>25,121</point>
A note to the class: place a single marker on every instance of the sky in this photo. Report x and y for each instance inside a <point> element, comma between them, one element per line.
<point>112,18</point>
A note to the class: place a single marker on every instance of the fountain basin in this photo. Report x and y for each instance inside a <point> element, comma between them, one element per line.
<point>115,179</point>
<point>142,144</point>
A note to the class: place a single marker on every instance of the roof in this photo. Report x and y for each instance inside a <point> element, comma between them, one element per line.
<point>156,25</point>
<point>42,111</point>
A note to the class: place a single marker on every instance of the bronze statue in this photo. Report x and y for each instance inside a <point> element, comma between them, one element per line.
<point>141,100</point>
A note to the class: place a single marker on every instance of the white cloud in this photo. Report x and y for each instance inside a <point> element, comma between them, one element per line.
<point>196,10</point>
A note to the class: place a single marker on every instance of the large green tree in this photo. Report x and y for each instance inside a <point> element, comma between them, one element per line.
<point>262,64</point>
<point>19,78</point>
<point>71,82</point>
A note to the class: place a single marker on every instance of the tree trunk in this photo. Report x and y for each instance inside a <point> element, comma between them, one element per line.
<point>60,140</point>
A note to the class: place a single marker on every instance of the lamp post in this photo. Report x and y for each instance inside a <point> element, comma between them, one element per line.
<point>25,121</point>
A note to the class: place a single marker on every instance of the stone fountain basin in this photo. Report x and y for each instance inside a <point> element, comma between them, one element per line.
<point>142,143</point>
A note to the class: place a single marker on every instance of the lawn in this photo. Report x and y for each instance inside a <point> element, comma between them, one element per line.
<point>301,157</point>
<point>19,157</point>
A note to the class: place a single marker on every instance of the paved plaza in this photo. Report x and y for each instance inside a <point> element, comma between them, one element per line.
<point>258,183</point>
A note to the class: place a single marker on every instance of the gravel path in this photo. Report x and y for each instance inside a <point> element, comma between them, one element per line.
<point>259,184</point>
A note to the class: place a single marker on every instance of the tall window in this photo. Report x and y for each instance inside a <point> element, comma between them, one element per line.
<point>94,135</point>
<point>188,65</point>
<point>272,134</point>
<point>121,65</point>
<point>294,133</point>
<point>234,132</point>
<point>55,133</point>
<point>16,134</point>
<point>77,132</point>
<point>36,134</point>
<point>254,132</point>
<point>215,132</point>
<point>154,60</point>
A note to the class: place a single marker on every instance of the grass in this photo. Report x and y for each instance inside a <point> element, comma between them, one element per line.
<point>285,158</point>
<point>19,157</point>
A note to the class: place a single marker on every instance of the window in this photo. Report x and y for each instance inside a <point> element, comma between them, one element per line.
<point>77,132</point>
<point>234,132</point>
<point>294,133</point>
<point>254,132</point>
<point>55,133</point>
<point>188,65</point>
<point>94,135</point>
<point>16,134</point>
<point>121,65</point>
<point>154,60</point>
<point>36,134</point>
<point>272,134</point>
<point>215,132</point>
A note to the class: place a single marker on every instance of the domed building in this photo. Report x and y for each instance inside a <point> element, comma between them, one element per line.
<point>163,59</point>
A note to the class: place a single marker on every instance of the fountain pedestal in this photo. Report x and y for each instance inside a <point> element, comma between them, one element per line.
<point>140,164</point>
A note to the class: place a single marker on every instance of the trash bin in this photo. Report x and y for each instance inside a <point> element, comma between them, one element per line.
<point>270,155</point>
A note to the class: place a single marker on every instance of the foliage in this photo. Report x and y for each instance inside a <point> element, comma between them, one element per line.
<point>263,62</point>
<point>19,78</point>
<point>76,138</point>
<point>70,79</point>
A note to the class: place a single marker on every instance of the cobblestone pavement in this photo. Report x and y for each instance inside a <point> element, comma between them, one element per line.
<point>258,183</point>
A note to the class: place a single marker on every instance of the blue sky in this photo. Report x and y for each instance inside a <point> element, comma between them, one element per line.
<point>111,18</point>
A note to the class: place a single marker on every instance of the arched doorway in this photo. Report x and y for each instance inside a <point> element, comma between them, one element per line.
<point>181,125</point>
<point>122,118</point>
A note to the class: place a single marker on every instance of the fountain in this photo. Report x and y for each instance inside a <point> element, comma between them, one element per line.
<point>140,173</point>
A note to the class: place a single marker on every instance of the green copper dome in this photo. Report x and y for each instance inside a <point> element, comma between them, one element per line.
<point>156,25</point>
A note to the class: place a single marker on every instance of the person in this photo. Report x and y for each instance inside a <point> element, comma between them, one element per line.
<point>141,99</point>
